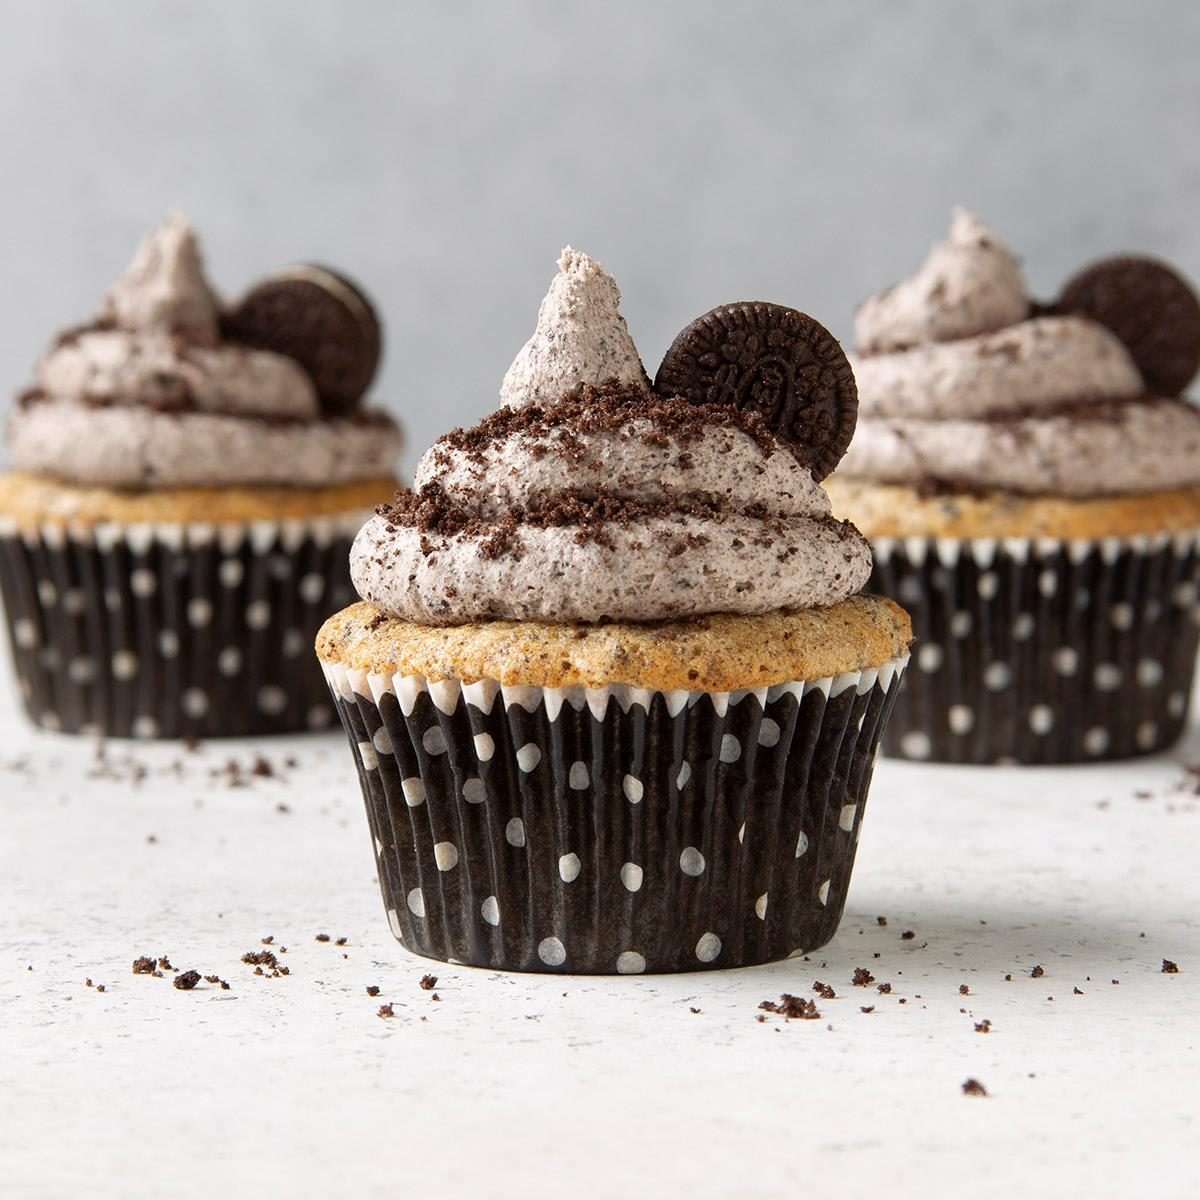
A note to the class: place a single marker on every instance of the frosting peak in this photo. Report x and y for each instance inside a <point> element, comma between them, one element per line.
<point>581,338</point>
<point>163,288</point>
<point>969,284</point>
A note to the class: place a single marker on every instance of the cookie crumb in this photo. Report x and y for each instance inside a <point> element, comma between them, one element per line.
<point>884,989</point>
<point>867,1008</point>
<point>427,982</point>
<point>1169,967</point>
<point>824,990</point>
<point>972,1087</point>
<point>881,921</point>
<point>984,1026</point>
<point>790,1006</point>
<point>862,977</point>
<point>322,937</point>
<point>340,942</point>
<point>187,980</point>
<point>694,1010</point>
<point>101,988</point>
<point>372,990</point>
<point>386,1010</point>
<point>963,990</point>
<point>908,935</point>
<point>1037,972</point>
<point>143,965</point>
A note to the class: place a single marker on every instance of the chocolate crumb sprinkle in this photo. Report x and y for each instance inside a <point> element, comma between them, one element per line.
<point>187,980</point>
<point>1169,967</point>
<point>972,1087</point>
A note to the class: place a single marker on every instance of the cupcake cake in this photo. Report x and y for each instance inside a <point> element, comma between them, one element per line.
<point>1029,476</point>
<point>187,478</point>
<point>612,690</point>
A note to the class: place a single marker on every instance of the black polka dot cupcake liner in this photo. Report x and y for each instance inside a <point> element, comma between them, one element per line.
<point>174,631</point>
<point>1041,650</point>
<point>613,830</point>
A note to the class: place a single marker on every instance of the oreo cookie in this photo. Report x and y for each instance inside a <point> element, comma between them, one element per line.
<point>776,362</point>
<point>1150,308</point>
<point>321,320</point>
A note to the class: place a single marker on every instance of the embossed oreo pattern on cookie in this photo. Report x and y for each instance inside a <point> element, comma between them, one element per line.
<point>174,631</point>
<point>613,831</point>
<point>1043,652</point>
<point>776,362</point>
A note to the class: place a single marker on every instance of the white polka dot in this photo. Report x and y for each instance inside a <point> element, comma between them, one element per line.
<point>1107,677</point>
<point>25,633</point>
<point>81,670</point>
<point>294,643</point>
<point>199,612</point>
<point>311,587</point>
<point>632,787</point>
<point>485,746</point>
<point>195,702</point>
<point>319,716</point>
<point>577,777</point>
<point>569,867</point>
<point>366,752</point>
<point>691,861</point>
<point>272,700</point>
<point>74,601</point>
<point>489,910</point>
<point>846,817</point>
<point>124,664</point>
<point>258,614</point>
<point>731,748</point>
<point>434,741</point>
<point>414,790</point>
<point>768,732</point>
<point>631,877</point>
<point>1185,594</point>
<point>1149,672</point>
<point>915,744</point>
<point>802,844</point>
<point>473,791</point>
<point>1121,616</point>
<point>416,902</point>
<point>528,757</point>
<point>910,590</point>
<point>280,566</point>
<point>1146,735</point>
<point>552,952</point>
<point>685,773</point>
<point>145,727</point>
<point>382,740</point>
<point>741,833</point>
<point>823,892</point>
<point>1023,627</point>
<point>445,856</point>
<point>1095,741</point>
<point>229,661</point>
<point>1177,704</point>
<point>961,624</point>
<point>1048,583</point>
<point>929,657</point>
<point>708,947</point>
<point>514,832</point>
<point>168,643</point>
<point>630,962</point>
<point>760,907</point>
<point>987,585</point>
<point>1065,660</point>
<point>112,599</point>
<point>960,718</point>
<point>50,658</point>
<point>231,572</point>
<point>143,582</point>
<point>47,593</point>
<point>996,676</point>
<point>1041,719</point>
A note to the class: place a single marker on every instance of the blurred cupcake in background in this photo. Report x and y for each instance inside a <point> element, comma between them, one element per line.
<point>187,480</point>
<point>612,692</point>
<point>1030,480</point>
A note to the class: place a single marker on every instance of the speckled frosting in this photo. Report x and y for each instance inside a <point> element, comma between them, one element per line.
<point>960,386</point>
<point>604,502</point>
<point>150,396</point>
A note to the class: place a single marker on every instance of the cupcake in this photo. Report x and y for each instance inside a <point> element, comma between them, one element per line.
<point>612,692</point>
<point>1029,478</point>
<point>187,480</point>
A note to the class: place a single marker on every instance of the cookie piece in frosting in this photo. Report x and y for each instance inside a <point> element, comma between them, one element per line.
<point>1150,308</point>
<point>319,319</point>
<point>776,362</point>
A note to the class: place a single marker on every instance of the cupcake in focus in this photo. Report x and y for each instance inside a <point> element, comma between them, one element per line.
<point>187,478</point>
<point>1029,477</point>
<point>612,691</point>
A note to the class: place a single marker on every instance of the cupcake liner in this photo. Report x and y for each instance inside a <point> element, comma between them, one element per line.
<point>1042,650</point>
<point>174,630</point>
<point>613,830</point>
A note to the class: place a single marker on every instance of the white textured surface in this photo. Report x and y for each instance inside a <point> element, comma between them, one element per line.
<point>551,1086</point>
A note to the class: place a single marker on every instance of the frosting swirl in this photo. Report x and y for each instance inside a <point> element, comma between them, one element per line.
<point>605,502</point>
<point>959,386</point>
<point>149,395</point>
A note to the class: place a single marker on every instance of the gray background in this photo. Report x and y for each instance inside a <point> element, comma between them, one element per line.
<point>704,152</point>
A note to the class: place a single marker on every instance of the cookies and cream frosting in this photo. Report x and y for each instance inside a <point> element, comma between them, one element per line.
<point>150,395</point>
<point>586,497</point>
<point>962,383</point>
